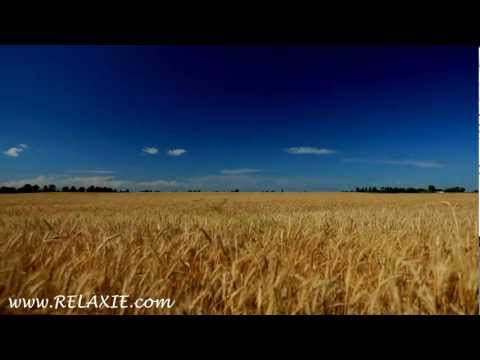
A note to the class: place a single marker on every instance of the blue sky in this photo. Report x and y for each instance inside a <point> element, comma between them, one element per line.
<point>317,118</point>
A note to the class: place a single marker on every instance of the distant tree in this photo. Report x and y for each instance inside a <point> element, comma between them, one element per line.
<point>27,188</point>
<point>65,189</point>
<point>7,190</point>
<point>81,189</point>
<point>455,189</point>
<point>396,190</point>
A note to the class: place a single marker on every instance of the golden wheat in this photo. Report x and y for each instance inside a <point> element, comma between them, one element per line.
<point>244,253</point>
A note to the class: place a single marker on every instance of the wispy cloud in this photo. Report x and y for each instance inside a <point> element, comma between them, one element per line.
<point>249,182</point>
<point>157,183</point>
<point>150,150</point>
<point>303,150</point>
<point>39,180</point>
<point>91,172</point>
<point>176,152</point>
<point>109,181</point>
<point>225,182</point>
<point>62,180</point>
<point>415,163</point>
<point>15,151</point>
<point>222,182</point>
<point>240,171</point>
<point>85,181</point>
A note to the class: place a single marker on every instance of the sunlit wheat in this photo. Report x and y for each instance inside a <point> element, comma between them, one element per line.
<point>245,253</point>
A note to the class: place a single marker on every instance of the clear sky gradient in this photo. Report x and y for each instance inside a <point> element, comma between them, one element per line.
<point>316,118</point>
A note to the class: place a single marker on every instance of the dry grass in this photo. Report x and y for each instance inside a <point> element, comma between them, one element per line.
<point>245,253</point>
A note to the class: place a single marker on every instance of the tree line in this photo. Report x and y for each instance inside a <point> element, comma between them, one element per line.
<point>395,190</point>
<point>28,188</point>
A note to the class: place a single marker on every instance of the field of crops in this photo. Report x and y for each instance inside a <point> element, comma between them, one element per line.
<point>244,253</point>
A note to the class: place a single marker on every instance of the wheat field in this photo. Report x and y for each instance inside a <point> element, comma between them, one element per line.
<point>244,253</point>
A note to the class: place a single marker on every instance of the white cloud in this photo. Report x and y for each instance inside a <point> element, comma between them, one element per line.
<point>301,150</point>
<point>15,151</point>
<point>176,152</point>
<point>415,163</point>
<point>150,150</point>
<point>240,171</point>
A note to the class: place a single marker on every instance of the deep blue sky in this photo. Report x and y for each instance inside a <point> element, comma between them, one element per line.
<point>390,115</point>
